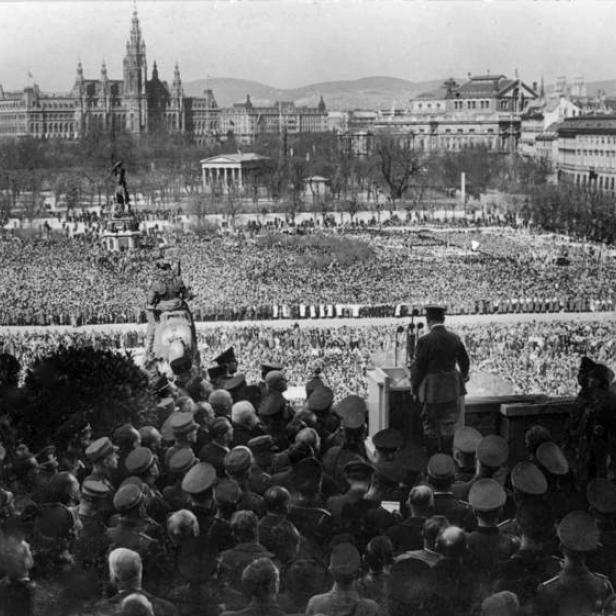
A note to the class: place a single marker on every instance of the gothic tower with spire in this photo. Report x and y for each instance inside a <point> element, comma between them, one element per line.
<point>135,78</point>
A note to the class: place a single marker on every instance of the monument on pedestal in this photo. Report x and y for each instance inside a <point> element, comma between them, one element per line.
<point>122,229</point>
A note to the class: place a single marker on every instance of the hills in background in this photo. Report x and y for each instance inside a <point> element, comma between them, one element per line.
<point>367,93</point>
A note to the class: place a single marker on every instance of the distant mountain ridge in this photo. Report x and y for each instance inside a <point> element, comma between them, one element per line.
<point>377,92</point>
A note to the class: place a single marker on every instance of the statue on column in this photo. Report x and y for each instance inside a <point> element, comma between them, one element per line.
<point>122,199</point>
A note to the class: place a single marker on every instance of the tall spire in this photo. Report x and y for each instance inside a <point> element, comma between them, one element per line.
<point>104,71</point>
<point>177,81</point>
<point>542,89</point>
<point>154,71</point>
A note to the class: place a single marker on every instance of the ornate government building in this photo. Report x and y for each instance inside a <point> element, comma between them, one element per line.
<point>134,104</point>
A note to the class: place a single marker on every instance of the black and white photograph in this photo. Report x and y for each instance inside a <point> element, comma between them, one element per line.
<point>307,307</point>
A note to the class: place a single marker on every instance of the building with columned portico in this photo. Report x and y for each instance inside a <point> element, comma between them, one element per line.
<point>238,173</point>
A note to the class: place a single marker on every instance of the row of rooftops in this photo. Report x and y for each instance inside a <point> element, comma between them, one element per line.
<point>477,86</point>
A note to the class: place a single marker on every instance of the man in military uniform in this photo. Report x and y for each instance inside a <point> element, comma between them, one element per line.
<point>386,443</point>
<point>407,535</point>
<point>575,590</point>
<point>142,463</point>
<point>128,533</point>
<point>179,464</point>
<point>263,450</point>
<point>184,430</point>
<point>320,403</point>
<point>276,532</point>
<point>238,463</point>
<point>275,411</point>
<point>601,495</point>
<point>436,382</point>
<point>465,442</point>
<point>215,451</point>
<point>228,361</point>
<point>167,292</point>
<point>103,456</point>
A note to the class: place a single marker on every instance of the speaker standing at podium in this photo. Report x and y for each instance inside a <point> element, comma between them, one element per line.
<point>438,383</point>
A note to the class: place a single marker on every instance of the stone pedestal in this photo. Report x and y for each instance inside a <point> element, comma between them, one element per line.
<point>121,233</point>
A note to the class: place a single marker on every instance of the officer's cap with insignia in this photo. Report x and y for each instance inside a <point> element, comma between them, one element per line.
<point>435,312</point>
<point>466,439</point>
<point>237,381</point>
<point>358,470</point>
<point>528,479</point>
<point>388,440</point>
<point>353,411</point>
<point>92,489</point>
<point>578,531</point>
<point>492,451</point>
<point>271,405</point>
<point>227,491</point>
<point>486,495</point>
<point>182,460</point>
<point>344,560</point>
<point>441,467</point>
<point>264,442</point>
<point>139,460</point>
<point>182,423</point>
<point>227,356</point>
<point>601,495</point>
<point>127,498</point>
<point>320,399</point>
<point>100,449</point>
<point>552,458</point>
<point>238,460</point>
<point>199,478</point>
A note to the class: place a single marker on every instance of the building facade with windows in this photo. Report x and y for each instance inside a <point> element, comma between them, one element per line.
<point>587,152</point>
<point>485,110</point>
<point>136,104</point>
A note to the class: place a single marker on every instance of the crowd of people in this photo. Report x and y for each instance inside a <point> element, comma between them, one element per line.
<point>231,500</point>
<point>533,357</point>
<point>240,277</point>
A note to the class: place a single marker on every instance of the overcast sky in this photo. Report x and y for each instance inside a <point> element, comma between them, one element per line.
<point>289,43</point>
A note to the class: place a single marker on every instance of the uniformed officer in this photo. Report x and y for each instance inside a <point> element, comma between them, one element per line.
<point>437,383</point>
<point>128,533</point>
<point>184,429</point>
<point>465,442</point>
<point>215,451</point>
<point>142,463</point>
<point>353,412</point>
<point>358,474</point>
<point>320,403</point>
<point>216,376</point>
<point>275,411</point>
<point>227,495</point>
<point>179,464</point>
<point>575,590</point>
<point>487,546</point>
<point>407,535</point>
<point>103,456</point>
<point>492,455</point>
<point>343,598</point>
<point>263,449</point>
<point>236,386</point>
<point>228,361</point>
<point>440,476</point>
<point>222,403</point>
<point>387,442</point>
<point>238,463</point>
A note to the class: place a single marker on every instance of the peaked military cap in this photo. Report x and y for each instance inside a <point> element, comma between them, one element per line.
<point>127,497</point>
<point>272,404</point>
<point>269,366</point>
<point>441,466</point>
<point>345,559</point>
<point>262,443</point>
<point>274,376</point>
<point>486,495</point>
<point>435,311</point>
<point>182,460</point>
<point>100,449</point>
<point>552,458</point>
<point>125,435</point>
<point>227,491</point>
<point>493,451</point>
<point>358,470</point>
<point>578,531</point>
<point>182,423</point>
<point>601,495</point>
<point>528,479</point>
<point>216,372</point>
<point>388,439</point>
<point>353,411</point>
<point>139,460</point>
<point>235,382</point>
<point>93,489</point>
<point>199,478</point>
<point>226,356</point>
<point>238,460</point>
<point>466,439</point>
<point>320,399</point>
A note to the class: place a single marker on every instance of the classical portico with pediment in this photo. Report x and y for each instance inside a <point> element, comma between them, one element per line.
<point>231,172</point>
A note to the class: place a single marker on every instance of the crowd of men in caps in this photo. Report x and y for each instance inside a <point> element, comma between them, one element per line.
<point>238,504</point>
